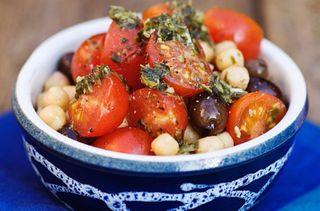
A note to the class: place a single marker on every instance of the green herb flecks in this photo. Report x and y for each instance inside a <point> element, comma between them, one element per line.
<point>187,148</point>
<point>227,93</point>
<point>123,17</point>
<point>85,83</point>
<point>167,28</point>
<point>192,18</point>
<point>152,77</point>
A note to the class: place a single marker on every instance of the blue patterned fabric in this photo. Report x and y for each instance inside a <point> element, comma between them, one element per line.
<point>297,187</point>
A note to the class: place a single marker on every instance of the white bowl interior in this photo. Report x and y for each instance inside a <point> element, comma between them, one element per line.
<point>43,61</point>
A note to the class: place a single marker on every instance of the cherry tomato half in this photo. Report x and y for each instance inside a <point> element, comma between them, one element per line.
<point>224,24</point>
<point>127,140</point>
<point>254,114</point>
<point>188,70</point>
<point>157,112</point>
<point>87,56</point>
<point>123,54</point>
<point>156,10</point>
<point>102,110</point>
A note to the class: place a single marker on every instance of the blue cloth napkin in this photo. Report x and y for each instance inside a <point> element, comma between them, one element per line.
<point>296,188</point>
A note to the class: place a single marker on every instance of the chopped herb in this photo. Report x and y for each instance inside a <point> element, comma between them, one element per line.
<point>116,57</point>
<point>124,40</point>
<point>193,19</point>
<point>152,77</point>
<point>227,93</point>
<point>123,17</point>
<point>84,84</point>
<point>187,148</point>
<point>184,25</point>
<point>167,28</point>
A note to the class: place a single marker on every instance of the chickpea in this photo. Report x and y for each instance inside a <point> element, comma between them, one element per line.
<point>236,76</point>
<point>56,79</point>
<point>208,50</point>
<point>70,90</point>
<point>229,57</point>
<point>54,96</point>
<point>226,139</point>
<point>53,116</point>
<point>224,45</point>
<point>209,144</point>
<point>190,135</point>
<point>165,144</point>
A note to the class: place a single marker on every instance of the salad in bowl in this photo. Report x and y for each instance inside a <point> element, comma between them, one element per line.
<point>173,109</point>
<point>173,82</point>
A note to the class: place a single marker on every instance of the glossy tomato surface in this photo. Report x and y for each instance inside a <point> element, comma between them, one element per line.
<point>157,112</point>
<point>123,54</point>
<point>188,69</point>
<point>127,140</point>
<point>102,110</point>
<point>87,56</point>
<point>254,114</point>
<point>225,24</point>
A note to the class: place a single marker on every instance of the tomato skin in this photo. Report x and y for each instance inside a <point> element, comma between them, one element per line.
<point>87,56</point>
<point>121,43</point>
<point>185,75</point>
<point>254,114</point>
<point>157,112</point>
<point>127,140</point>
<point>102,110</point>
<point>224,24</point>
<point>156,10</point>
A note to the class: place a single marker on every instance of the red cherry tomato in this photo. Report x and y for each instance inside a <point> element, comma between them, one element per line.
<point>254,114</point>
<point>156,10</point>
<point>123,54</point>
<point>158,112</point>
<point>87,56</point>
<point>127,140</point>
<point>188,70</point>
<point>224,24</point>
<point>102,110</point>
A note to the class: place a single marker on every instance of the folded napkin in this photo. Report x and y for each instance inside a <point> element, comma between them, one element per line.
<point>296,188</point>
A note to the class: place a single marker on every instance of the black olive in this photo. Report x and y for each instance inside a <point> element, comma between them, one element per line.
<point>69,132</point>
<point>64,65</point>
<point>208,113</point>
<point>263,85</point>
<point>257,68</point>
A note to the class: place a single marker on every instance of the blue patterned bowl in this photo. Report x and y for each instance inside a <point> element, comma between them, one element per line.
<point>88,178</point>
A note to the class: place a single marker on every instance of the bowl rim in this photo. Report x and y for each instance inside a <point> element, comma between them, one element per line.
<point>29,120</point>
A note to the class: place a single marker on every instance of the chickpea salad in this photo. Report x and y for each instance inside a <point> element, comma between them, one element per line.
<point>176,81</point>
